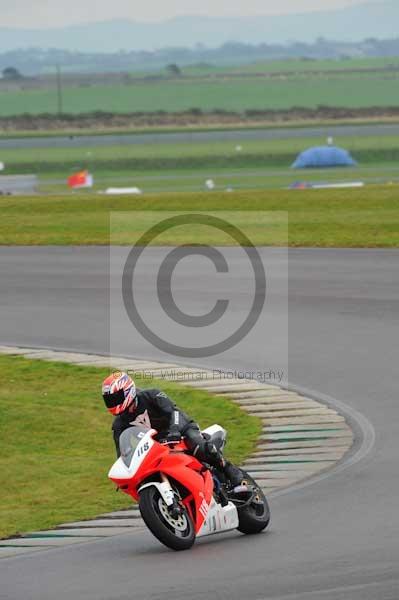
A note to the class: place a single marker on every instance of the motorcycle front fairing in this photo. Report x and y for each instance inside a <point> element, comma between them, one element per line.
<point>136,446</point>
<point>143,458</point>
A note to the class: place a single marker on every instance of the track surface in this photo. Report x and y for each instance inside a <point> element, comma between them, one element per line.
<point>334,540</point>
<point>200,136</point>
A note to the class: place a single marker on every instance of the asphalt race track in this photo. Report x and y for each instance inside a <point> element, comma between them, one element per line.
<point>334,540</point>
<point>66,141</point>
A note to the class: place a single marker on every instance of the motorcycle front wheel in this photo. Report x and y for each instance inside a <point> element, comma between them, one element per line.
<point>255,516</point>
<point>175,533</point>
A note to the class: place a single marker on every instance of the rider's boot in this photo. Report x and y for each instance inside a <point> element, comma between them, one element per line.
<point>234,475</point>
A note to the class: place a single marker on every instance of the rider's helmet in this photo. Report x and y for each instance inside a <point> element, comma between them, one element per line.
<point>119,392</point>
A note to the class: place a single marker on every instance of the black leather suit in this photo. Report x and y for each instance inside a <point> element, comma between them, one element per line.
<point>155,409</point>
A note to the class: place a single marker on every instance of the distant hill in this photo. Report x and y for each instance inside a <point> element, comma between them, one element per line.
<point>367,20</point>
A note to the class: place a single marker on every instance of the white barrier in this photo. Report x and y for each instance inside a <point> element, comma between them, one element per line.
<point>114,190</point>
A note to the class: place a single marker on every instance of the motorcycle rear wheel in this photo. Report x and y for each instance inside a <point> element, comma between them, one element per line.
<point>177,534</point>
<point>254,517</point>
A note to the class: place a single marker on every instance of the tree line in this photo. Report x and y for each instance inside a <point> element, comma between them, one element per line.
<point>36,61</point>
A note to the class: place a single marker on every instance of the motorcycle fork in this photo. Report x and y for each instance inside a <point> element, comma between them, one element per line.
<point>174,508</point>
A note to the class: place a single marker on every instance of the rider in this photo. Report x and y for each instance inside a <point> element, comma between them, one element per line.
<point>153,408</point>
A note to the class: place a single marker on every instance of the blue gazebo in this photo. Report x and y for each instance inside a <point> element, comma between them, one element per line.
<point>322,157</point>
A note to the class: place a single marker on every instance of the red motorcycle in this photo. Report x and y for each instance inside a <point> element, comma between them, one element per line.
<point>179,497</point>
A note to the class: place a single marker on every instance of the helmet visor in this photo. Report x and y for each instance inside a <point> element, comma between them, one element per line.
<point>115,399</point>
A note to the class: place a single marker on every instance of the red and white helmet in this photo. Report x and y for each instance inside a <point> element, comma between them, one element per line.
<point>119,392</point>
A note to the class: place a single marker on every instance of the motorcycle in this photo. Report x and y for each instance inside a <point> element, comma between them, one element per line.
<point>180,498</point>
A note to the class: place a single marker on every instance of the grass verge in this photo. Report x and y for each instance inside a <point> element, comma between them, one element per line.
<point>208,154</point>
<point>366,217</point>
<point>237,179</point>
<point>57,445</point>
<point>239,124</point>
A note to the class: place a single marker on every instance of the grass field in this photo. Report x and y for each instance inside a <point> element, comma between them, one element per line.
<point>273,66</point>
<point>299,66</point>
<point>274,85</point>
<point>206,122</point>
<point>184,167</point>
<point>327,218</point>
<point>156,158</point>
<point>224,179</point>
<point>57,445</point>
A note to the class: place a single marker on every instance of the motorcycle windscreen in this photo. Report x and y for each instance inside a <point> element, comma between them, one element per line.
<point>129,441</point>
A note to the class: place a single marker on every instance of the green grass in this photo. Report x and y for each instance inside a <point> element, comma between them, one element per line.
<point>57,445</point>
<point>136,158</point>
<point>277,66</point>
<point>296,65</point>
<point>238,179</point>
<point>184,167</point>
<point>236,123</point>
<point>226,92</point>
<point>262,85</point>
<point>366,217</point>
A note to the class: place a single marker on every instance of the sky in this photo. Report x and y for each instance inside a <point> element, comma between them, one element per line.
<point>57,13</point>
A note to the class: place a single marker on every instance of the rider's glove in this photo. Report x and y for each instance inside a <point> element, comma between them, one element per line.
<point>174,436</point>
